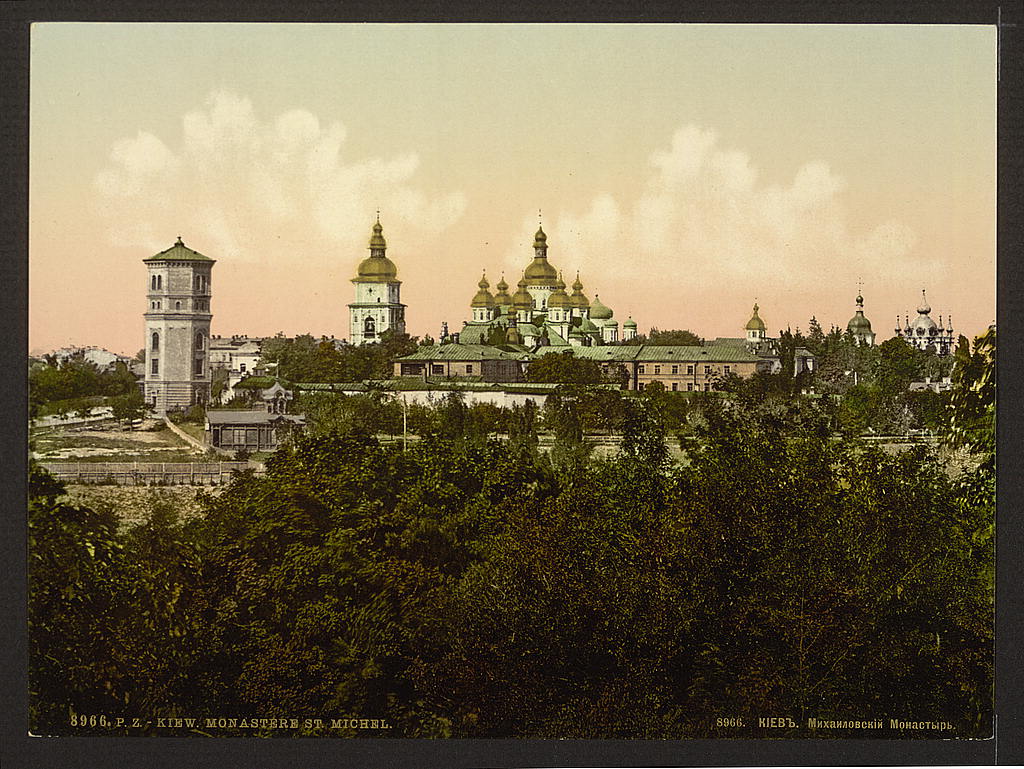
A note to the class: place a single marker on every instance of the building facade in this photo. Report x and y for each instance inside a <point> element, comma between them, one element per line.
<point>177,329</point>
<point>924,333</point>
<point>378,304</point>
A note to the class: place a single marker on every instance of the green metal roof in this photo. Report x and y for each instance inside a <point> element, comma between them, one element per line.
<point>462,352</point>
<point>709,354</point>
<point>179,252</point>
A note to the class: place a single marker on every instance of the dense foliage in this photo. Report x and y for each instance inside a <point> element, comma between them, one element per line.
<point>469,586</point>
<point>306,359</point>
<point>63,386</point>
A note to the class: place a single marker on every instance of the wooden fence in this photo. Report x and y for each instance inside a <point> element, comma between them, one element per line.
<point>146,473</point>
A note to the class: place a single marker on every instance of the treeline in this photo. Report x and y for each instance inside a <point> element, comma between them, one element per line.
<point>54,385</point>
<point>474,587</point>
<point>306,359</point>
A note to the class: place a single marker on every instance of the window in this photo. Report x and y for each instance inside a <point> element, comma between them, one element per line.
<point>657,369</point>
<point>689,387</point>
<point>640,369</point>
<point>707,370</point>
<point>437,369</point>
<point>156,341</point>
<point>201,283</point>
<point>241,367</point>
<point>689,369</point>
<point>675,369</point>
<point>727,369</point>
<point>197,367</point>
<point>469,368</point>
<point>199,341</point>
<point>675,386</point>
<point>177,305</point>
<point>369,327</point>
<point>154,365</point>
<point>707,387</point>
<point>158,305</point>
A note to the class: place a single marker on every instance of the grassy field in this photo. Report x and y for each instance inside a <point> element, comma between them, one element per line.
<point>109,443</point>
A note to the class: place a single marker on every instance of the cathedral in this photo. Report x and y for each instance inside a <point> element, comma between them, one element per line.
<point>541,312</point>
<point>923,332</point>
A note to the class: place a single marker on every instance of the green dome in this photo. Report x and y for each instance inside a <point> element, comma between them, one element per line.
<point>598,311</point>
<point>630,323</point>
<point>755,323</point>
<point>859,323</point>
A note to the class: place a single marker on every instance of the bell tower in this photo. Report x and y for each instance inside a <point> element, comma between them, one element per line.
<point>378,305</point>
<point>177,329</point>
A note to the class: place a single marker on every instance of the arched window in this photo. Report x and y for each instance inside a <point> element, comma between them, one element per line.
<point>156,342</point>
<point>177,305</point>
<point>199,341</point>
<point>369,327</point>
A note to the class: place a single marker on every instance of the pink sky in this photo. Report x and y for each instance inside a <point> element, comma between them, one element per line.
<point>685,171</point>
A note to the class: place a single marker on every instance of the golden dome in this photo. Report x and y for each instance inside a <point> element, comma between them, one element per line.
<point>540,273</point>
<point>578,299</point>
<point>558,297</point>
<point>521,299</point>
<point>502,299</point>
<point>755,323</point>
<point>483,297</point>
<point>376,268</point>
<point>540,240</point>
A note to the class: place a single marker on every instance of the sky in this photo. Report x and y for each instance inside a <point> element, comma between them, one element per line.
<point>686,171</point>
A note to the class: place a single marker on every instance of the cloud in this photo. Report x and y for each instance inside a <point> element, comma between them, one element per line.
<point>704,219</point>
<point>234,181</point>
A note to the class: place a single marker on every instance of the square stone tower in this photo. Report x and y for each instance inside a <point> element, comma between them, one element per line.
<point>177,329</point>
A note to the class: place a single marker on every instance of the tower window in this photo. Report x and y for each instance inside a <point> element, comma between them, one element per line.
<point>156,341</point>
<point>154,366</point>
<point>369,327</point>
<point>199,341</point>
<point>177,305</point>
<point>197,367</point>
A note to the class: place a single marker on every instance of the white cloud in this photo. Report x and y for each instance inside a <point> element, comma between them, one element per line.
<point>235,180</point>
<point>705,220</point>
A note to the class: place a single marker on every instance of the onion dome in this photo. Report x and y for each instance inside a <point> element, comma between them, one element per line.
<point>578,299</point>
<point>858,323</point>
<point>377,268</point>
<point>630,323</point>
<point>502,299</point>
<point>521,299</point>
<point>483,297</point>
<point>539,272</point>
<point>924,308</point>
<point>558,297</point>
<point>598,311</point>
<point>755,323</point>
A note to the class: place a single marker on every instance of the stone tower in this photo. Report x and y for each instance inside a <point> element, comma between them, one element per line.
<point>378,306</point>
<point>177,329</point>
